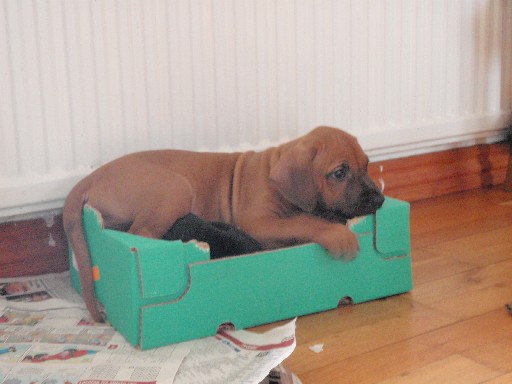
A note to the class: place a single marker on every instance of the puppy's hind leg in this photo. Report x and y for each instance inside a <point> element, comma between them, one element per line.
<point>163,207</point>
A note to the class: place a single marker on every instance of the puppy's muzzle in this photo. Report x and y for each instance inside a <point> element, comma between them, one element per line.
<point>371,200</point>
<point>371,197</point>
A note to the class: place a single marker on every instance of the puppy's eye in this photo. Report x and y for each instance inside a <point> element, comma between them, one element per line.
<point>340,173</point>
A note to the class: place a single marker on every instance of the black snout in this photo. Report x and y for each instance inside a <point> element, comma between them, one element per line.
<point>375,198</point>
<point>371,197</point>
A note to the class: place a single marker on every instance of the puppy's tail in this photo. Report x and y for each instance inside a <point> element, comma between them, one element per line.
<point>73,227</point>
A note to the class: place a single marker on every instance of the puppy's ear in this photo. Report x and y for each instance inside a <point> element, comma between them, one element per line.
<point>293,176</point>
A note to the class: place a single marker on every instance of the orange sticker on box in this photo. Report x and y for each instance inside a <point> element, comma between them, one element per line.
<point>95,273</point>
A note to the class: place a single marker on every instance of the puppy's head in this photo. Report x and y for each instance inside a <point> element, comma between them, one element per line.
<point>325,173</point>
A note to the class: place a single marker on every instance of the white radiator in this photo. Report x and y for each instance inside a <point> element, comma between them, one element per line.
<point>84,81</point>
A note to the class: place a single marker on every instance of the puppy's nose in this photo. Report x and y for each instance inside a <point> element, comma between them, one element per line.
<point>374,198</point>
<point>377,199</point>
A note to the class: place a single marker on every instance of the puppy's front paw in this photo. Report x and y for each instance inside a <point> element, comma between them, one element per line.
<point>339,241</point>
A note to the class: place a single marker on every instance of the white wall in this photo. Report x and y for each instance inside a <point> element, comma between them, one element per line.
<point>84,81</point>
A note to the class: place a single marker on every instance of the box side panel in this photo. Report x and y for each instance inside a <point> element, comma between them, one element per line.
<point>164,269</point>
<point>118,286</point>
<point>253,290</point>
<point>392,228</point>
<point>135,271</point>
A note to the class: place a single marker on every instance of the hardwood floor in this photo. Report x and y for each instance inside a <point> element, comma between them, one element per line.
<point>451,328</point>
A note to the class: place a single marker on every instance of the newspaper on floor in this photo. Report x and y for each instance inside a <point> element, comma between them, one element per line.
<point>237,356</point>
<point>39,293</point>
<point>50,338</point>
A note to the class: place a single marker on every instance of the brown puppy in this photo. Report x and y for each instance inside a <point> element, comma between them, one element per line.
<point>302,191</point>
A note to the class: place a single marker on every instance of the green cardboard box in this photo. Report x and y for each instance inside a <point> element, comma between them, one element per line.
<point>158,292</point>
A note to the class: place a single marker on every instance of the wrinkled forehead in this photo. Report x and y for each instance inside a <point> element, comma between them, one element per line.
<point>342,148</point>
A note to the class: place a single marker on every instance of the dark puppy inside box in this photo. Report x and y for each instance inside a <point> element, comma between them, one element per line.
<point>224,239</point>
